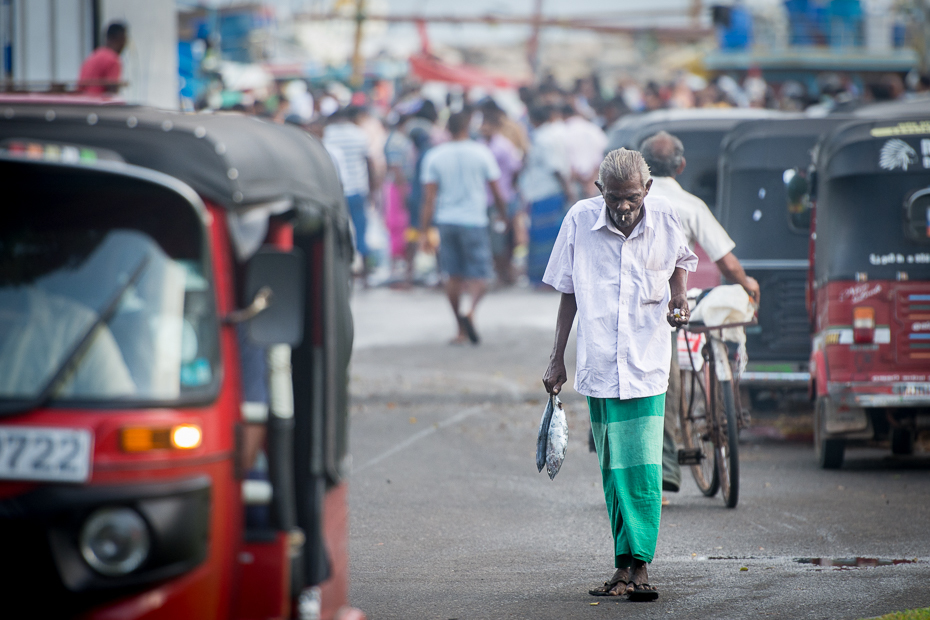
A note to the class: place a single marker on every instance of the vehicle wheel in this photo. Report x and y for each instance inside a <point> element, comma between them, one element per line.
<point>696,433</point>
<point>902,441</point>
<point>829,451</point>
<point>728,448</point>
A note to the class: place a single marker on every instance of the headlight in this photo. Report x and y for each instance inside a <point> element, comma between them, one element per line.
<point>114,541</point>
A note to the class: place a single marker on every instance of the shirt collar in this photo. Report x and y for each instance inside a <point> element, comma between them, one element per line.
<point>604,221</point>
<point>666,184</point>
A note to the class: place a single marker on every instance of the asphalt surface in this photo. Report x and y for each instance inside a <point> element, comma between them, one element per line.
<point>450,519</point>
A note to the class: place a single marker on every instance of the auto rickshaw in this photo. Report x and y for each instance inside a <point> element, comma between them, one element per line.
<point>870,286</point>
<point>701,131</point>
<point>761,202</point>
<point>174,342</point>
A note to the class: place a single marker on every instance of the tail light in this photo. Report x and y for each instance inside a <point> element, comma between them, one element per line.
<point>863,325</point>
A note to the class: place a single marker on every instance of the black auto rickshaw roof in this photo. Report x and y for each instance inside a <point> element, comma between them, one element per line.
<point>630,130</point>
<point>892,109</point>
<point>874,146</point>
<point>774,144</point>
<point>233,160</point>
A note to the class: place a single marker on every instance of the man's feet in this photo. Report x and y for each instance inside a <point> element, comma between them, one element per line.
<point>639,588</point>
<point>468,327</point>
<point>617,585</point>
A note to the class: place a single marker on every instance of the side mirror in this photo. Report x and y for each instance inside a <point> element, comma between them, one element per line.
<point>797,194</point>
<point>274,282</point>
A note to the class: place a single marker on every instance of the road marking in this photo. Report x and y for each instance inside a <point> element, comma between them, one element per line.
<point>461,415</point>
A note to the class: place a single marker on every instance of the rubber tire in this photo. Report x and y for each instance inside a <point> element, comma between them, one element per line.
<point>708,487</point>
<point>829,452</point>
<point>730,490</point>
<point>902,442</point>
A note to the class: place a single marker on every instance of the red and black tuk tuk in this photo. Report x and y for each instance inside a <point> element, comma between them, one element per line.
<point>174,342</point>
<point>762,189</point>
<point>870,286</point>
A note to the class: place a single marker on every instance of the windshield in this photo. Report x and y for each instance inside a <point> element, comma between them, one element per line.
<point>757,214</point>
<point>90,313</point>
<point>873,224</point>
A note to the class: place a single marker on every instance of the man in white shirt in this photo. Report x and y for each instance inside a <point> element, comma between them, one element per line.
<point>586,143</point>
<point>344,136</point>
<point>621,262</point>
<point>664,154</point>
<point>545,184</point>
<point>456,176</point>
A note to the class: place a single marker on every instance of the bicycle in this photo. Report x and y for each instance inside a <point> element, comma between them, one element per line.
<point>711,384</point>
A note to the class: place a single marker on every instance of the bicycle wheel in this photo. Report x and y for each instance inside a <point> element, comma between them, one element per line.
<point>696,430</point>
<point>727,445</point>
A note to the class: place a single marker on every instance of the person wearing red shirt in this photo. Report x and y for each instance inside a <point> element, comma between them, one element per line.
<point>101,71</point>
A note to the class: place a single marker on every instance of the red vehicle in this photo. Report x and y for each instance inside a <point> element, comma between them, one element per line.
<point>174,342</point>
<point>869,286</point>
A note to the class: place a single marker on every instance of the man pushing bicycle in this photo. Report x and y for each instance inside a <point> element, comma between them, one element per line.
<point>664,154</point>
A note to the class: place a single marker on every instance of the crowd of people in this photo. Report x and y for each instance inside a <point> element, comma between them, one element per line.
<point>493,176</point>
<point>545,158</point>
<point>547,146</point>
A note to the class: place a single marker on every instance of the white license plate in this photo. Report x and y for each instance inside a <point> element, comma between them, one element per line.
<point>914,389</point>
<point>50,454</point>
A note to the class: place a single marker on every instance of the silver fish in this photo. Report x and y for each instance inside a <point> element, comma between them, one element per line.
<point>557,440</point>
<point>543,438</point>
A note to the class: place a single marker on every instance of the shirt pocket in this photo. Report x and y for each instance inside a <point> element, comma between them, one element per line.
<point>661,257</point>
<point>655,285</point>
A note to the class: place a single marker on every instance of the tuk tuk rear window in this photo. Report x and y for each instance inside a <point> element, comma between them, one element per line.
<point>757,218</point>
<point>863,227</point>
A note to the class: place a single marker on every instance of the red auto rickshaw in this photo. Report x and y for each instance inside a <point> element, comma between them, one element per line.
<point>869,286</point>
<point>174,342</point>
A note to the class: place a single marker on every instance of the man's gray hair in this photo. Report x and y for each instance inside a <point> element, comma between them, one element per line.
<point>663,153</point>
<point>623,165</point>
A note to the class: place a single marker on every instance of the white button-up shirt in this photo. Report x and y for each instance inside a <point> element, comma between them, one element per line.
<point>621,289</point>
<point>697,222</point>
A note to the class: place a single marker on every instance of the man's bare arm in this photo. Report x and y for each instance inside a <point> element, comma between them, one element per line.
<point>426,213</point>
<point>556,375</point>
<point>498,199</point>
<point>731,269</point>
<point>678,285</point>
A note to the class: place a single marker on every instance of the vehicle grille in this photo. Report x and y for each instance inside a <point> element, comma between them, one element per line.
<point>783,333</point>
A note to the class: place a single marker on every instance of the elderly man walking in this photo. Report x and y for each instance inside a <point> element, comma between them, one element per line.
<point>665,156</point>
<point>621,262</point>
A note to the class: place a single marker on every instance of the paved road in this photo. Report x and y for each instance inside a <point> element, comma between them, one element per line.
<point>449,518</point>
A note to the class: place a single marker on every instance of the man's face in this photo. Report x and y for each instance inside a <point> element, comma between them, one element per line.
<point>624,199</point>
<point>119,43</point>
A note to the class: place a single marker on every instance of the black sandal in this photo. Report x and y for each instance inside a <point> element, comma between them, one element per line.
<point>469,328</point>
<point>641,594</point>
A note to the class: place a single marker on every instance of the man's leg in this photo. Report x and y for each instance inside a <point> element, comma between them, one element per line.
<point>476,289</point>
<point>356,204</point>
<point>454,286</point>
<point>451,265</point>
<point>627,434</point>
<point>478,269</point>
<point>671,470</point>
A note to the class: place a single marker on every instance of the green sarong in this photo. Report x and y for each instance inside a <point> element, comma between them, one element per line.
<point>628,437</point>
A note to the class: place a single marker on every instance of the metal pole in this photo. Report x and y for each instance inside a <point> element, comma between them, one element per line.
<point>358,63</point>
<point>695,13</point>
<point>532,46</point>
<point>53,38</point>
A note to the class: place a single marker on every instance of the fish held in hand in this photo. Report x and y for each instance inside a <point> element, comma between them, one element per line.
<point>543,438</point>
<point>557,439</point>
